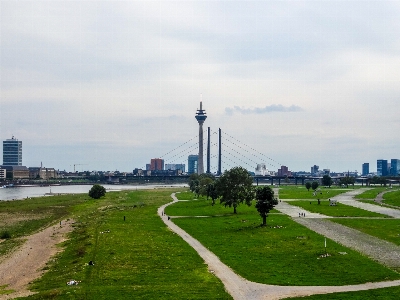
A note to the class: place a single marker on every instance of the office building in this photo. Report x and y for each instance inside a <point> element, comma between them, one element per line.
<point>314,170</point>
<point>42,173</point>
<point>382,167</point>
<point>156,164</point>
<point>395,167</point>
<point>193,164</point>
<point>12,152</point>
<point>261,170</point>
<point>284,171</point>
<point>3,173</point>
<point>365,169</point>
<point>174,167</point>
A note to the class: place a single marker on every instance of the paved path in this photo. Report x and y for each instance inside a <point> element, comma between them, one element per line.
<point>379,250</point>
<point>347,198</point>
<point>240,288</point>
<point>293,211</point>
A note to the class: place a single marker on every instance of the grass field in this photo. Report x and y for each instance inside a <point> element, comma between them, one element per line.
<point>137,259</point>
<point>392,198</point>
<point>340,210</point>
<point>392,293</point>
<point>370,194</point>
<point>283,253</point>
<point>300,192</point>
<point>388,230</point>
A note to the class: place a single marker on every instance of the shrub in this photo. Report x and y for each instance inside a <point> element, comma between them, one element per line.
<point>97,191</point>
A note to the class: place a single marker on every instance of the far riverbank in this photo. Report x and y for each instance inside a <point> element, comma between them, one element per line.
<point>23,192</point>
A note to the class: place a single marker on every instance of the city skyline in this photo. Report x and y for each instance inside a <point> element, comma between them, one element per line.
<point>113,84</point>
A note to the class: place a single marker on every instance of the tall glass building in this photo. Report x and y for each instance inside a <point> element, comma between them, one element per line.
<point>12,152</point>
<point>365,169</point>
<point>193,164</point>
<point>395,167</point>
<point>382,167</point>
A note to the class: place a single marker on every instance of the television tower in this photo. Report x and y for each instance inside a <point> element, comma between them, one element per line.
<point>200,117</point>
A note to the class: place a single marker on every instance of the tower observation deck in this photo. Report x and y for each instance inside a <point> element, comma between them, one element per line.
<point>200,117</point>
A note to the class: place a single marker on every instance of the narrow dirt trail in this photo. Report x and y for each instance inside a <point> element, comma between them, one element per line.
<point>240,288</point>
<point>26,263</point>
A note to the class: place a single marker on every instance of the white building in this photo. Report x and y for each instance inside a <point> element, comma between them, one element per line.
<point>261,170</point>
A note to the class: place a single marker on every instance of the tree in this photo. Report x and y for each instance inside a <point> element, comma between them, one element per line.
<point>347,180</point>
<point>327,180</point>
<point>314,185</point>
<point>265,202</point>
<point>308,185</point>
<point>234,187</point>
<point>212,192</point>
<point>193,182</point>
<point>204,181</point>
<point>97,191</point>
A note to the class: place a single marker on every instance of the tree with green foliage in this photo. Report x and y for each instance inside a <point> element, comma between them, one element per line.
<point>204,181</point>
<point>193,182</point>
<point>235,186</point>
<point>347,180</point>
<point>97,191</point>
<point>327,180</point>
<point>265,202</point>
<point>212,192</point>
<point>314,185</point>
<point>308,185</point>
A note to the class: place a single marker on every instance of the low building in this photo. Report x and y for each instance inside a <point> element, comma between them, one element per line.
<point>42,173</point>
<point>16,172</point>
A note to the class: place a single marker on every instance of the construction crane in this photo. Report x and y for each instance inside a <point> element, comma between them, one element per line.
<point>78,165</point>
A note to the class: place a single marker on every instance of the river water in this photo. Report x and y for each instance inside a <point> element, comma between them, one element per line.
<point>14,193</point>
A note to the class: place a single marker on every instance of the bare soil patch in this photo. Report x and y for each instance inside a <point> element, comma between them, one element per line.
<point>26,263</point>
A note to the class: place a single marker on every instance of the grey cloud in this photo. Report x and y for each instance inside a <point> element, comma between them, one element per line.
<point>262,110</point>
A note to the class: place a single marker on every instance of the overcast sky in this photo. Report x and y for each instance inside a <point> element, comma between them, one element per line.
<point>112,84</point>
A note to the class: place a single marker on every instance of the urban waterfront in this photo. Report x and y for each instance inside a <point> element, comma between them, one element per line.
<point>16,193</point>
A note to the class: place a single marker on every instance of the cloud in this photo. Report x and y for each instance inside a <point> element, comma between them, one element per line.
<point>263,110</point>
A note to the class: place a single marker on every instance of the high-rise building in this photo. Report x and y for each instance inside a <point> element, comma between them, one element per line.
<point>394,167</point>
<point>284,171</point>
<point>382,167</point>
<point>200,117</point>
<point>193,164</point>
<point>314,170</point>
<point>365,169</point>
<point>156,164</point>
<point>12,152</point>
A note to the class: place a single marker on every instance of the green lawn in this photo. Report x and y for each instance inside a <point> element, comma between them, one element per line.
<point>340,210</point>
<point>388,230</point>
<point>300,192</point>
<point>204,208</point>
<point>391,293</point>
<point>283,253</point>
<point>392,198</point>
<point>138,258</point>
<point>370,194</point>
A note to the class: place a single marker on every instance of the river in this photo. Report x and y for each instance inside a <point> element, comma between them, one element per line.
<point>14,193</point>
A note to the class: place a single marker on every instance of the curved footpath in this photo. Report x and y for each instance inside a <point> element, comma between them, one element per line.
<point>240,288</point>
<point>347,198</point>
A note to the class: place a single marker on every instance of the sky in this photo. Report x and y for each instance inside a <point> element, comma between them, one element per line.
<point>108,85</point>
